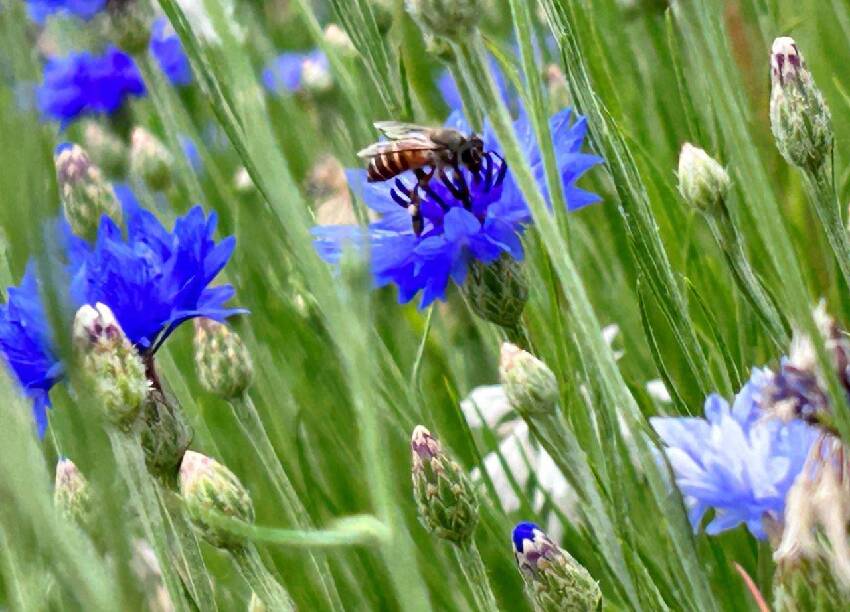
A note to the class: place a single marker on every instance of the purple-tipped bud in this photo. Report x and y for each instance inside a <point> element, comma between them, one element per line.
<point>72,494</point>
<point>86,196</point>
<point>530,385</point>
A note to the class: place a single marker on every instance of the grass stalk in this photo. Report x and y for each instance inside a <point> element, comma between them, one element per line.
<point>267,588</point>
<point>472,566</point>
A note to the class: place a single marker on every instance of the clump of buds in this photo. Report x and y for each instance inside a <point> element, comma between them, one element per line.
<point>799,117</point>
<point>529,384</point>
<point>110,364</point>
<point>452,19</point>
<point>206,485</point>
<point>445,499</point>
<point>128,24</point>
<point>72,494</point>
<point>224,363</point>
<point>553,579</point>
<point>86,196</point>
<point>497,292</point>
<point>703,182</point>
<point>165,435</point>
<point>150,161</point>
<point>106,149</point>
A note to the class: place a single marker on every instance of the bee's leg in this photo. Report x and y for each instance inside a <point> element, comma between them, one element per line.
<point>415,200</point>
<point>459,191</point>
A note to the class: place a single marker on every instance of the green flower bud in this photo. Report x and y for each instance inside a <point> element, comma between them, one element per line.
<point>452,19</point>
<point>128,24</point>
<point>799,117</point>
<point>224,363</point>
<point>206,485</point>
<point>150,161</point>
<point>529,384</point>
<point>86,196</point>
<point>149,574</point>
<point>445,499</point>
<point>703,182</point>
<point>553,579</point>
<point>497,292</point>
<point>111,364</point>
<point>106,149</point>
<point>165,434</point>
<point>72,494</point>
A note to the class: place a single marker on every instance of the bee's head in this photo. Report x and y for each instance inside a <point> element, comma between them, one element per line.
<point>473,153</point>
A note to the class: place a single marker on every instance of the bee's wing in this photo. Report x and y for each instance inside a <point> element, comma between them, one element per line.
<point>396,130</point>
<point>389,146</point>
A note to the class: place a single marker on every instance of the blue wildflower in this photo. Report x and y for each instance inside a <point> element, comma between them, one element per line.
<point>39,10</point>
<point>26,343</point>
<point>524,531</point>
<point>467,216</point>
<point>82,83</point>
<point>291,72</point>
<point>168,51</point>
<point>735,460</point>
<point>451,95</point>
<point>153,279</point>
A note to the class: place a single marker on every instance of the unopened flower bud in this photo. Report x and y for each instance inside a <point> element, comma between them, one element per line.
<point>529,384</point>
<point>165,435</point>
<point>128,24</point>
<point>224,363</point>
<point>206,485</point>
<point>150,160</point>
<point>315,74</point>
<point>799,116</point>
<point>553,579</point>
<point>149,574</point>
<point>497,292</point>
<point>703,182</point>
<point>106,149</point>
<point>72,494</point>
<point>336,37</point>
<point>86,196</point>
<point>452,19</point>
<point>111,364</point>
<point>445,499</point>
<point>242,181</point>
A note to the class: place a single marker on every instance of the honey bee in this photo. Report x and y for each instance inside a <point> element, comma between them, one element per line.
<point>415,147</point>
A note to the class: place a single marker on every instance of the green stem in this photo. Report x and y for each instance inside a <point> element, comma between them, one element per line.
<point>260,580</point>
<point>470,109</point>
<point>475,573</point>
<point>130,460</point>
<point>821,191</point>
<point>252,427</point>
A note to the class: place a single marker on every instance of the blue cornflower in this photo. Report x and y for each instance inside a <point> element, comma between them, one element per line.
<point>153,279</point>
<point>451,95</point>
<point>166,47</point>
<point>736,460</point>
<point>39,10</point>
<point>292,71</point>
<point>456,229</point>
<point>26,343</point>
<point>82,83</point>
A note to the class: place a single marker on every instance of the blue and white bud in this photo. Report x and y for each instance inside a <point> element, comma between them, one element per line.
<point>86,196</point>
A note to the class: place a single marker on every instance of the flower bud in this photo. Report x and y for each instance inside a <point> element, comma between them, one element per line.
<point>315,74</point>
<point>336,37</point>
<point>165,435</point>
<point>224,363</point>
<point>150,161</point>
<point>445,499</point>
<point>106,149</point>
<point>206,485</point>
<point>497,292</point>
<point>72,494</point>
<point>452,19</point>
<point>146,568</point>
<point>703,182</point>
<point>129,24</point>
<point>529,384</point>
<point>86,196</point>
<point>553,579</point>
<point>111,364</point>
<point>799,117</point>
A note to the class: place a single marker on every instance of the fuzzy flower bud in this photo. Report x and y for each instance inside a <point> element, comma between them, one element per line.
<point>452,19</point>
<point>497,292</point>
<point>336,37</point>
<point>71,493</point>
<point>206,485</point>
<point>444,496</point>
<point>106,149</point>
<point>86,196</point>
<point>553,579</point>
<point>165,434</point>
<point>150,160</point>
<point>799,117</point>
<point>529,384</point>
<point>111,364</point>
<point>703,182</point>
<point>316,75</point>
<point>224,363</point>
<point>129,24</point>
<point>149,574</point>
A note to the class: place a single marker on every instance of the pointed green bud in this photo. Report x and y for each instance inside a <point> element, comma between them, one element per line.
<point>72,494</point>
<point>553,579</point>
<point>703,182</point>
<point>165,435</point>
<point>128,24</point>
<point>530,386</point>
<point>224,363</point>
<point>497,292</point>
<point>452,19</point>
<point>106,149</point>
<point>445,499</point>
<point>150,161</point>
<point>206,485</point>
<point>111,364</point>
<point>799,117</point>
<point>86,196</point>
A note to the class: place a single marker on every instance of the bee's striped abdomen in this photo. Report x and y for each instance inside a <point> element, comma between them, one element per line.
<point>387,164</point>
